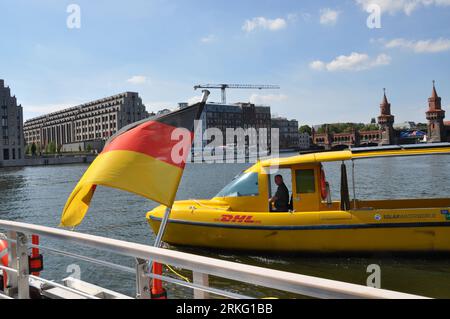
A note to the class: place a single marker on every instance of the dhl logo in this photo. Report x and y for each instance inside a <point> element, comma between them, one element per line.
<point>240,219</point>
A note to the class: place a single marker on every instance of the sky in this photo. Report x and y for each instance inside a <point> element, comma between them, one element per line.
<point>331,59</point>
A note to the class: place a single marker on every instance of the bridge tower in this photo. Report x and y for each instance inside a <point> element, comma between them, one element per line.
<point>435,117</point>
<point>386,121</point>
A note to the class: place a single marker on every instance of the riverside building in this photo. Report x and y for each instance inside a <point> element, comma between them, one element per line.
<point>289,134</point>
<point>92,123</point>
<point>226,117</point>
<point>11,134</point>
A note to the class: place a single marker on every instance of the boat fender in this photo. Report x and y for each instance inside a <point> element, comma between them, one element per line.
<point>323,185</point>
<point>4,260</point>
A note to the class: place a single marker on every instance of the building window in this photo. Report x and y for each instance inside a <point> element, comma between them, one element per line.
<point>6,154</point>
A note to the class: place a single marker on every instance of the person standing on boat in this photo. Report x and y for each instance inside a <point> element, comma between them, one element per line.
<point>281,198</point>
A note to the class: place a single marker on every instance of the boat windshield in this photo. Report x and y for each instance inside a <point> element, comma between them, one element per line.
<point>244,185</point>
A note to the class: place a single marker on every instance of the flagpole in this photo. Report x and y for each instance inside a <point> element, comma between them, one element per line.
<point>165,220</point>
<point>162,227</point>
<point>157,291</point>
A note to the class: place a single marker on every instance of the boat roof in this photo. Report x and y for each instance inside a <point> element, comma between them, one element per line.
<point>361,153</point>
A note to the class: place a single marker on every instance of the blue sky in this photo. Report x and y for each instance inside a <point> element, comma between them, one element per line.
<point>330,65</point>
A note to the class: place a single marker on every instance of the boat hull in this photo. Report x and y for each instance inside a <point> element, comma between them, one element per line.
<point>410,230</point>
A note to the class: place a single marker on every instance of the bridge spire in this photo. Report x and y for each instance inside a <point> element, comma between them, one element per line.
<point>434,94</point>
<point>435,117</point>
<point>385,105</point>
<point>386,122</point>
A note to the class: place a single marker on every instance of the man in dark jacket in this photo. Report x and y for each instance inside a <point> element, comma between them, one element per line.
<point>281,198</point>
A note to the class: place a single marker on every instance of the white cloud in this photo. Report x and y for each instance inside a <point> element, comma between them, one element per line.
<point>155,106</point>
<point>422,46</point>
<point>137,79</point>
<point>353,62</point>
<point>194,99</point>
<point>268,99</point>
<point>292,17</point>
<point>329,16</point>
<point>318,65</point>
<point>407,6</point>
<point>265,24</point>
<point>208,39</point>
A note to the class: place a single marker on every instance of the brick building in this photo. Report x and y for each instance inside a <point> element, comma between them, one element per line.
<point>437,131</point>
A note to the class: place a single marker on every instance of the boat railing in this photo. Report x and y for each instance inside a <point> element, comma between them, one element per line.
<point>202,269</point>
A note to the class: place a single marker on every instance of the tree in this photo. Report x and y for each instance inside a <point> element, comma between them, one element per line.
<point>33,149</point>
<point>51,148</point>
<point>305,129</point>
<point>89,148</point>
<point>338,128</point>
<point>370,127</point>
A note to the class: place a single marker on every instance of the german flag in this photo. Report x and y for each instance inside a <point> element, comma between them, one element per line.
<point>146,158</point>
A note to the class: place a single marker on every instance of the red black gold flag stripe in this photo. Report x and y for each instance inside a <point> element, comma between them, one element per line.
<point>146,158</point>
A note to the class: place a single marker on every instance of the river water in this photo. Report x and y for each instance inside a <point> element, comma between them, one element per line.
<point>37,195</point>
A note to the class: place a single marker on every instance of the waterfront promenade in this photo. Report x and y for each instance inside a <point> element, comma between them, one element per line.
<point>50,161</point>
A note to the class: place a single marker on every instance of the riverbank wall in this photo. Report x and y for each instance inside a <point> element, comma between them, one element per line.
<point>49,161</point>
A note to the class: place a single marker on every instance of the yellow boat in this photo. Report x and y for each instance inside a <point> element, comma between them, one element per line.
<point>240,218</point>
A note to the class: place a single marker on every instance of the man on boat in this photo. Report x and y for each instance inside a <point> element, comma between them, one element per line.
<point>281,198</point>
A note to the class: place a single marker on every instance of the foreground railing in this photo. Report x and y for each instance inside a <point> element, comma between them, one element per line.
<point>201,267</point>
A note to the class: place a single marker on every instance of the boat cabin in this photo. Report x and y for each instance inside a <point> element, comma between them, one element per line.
<point>309,189</point>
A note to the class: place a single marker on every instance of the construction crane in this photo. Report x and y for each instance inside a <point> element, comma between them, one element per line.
<point>223,87</point>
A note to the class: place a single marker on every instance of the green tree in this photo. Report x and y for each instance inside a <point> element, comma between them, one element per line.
<point>370,127</point>
<point>337,128</point>
<point>33,149</point>
<point>305,129</point>
<point>51,148</point>
<point>89,148</point>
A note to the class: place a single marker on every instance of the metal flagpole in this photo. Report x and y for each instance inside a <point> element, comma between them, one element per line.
<point>163,226</point>
<point>157,291</point>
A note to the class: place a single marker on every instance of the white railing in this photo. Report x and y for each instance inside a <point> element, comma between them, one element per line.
<point>201,267</point>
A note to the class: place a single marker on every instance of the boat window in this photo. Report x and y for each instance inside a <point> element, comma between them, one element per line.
<point>287,179</point>
<point>242,186</point>
<point>305,181</point>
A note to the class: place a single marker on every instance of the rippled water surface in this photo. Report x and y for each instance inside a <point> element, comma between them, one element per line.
<point>38,194</point>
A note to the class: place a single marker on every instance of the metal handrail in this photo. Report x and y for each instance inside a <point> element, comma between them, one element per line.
<point>7,269</point>
<point>54,284</point>
<point>2,296</point>
<point>133,271</point>
<point>279,280</point>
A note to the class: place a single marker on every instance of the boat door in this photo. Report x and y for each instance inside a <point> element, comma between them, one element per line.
<point>305,188</point>
<point>286,173</point>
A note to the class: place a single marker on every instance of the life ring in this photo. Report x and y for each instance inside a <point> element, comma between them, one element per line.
<point>4,258</point>
<point>323,185</point>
